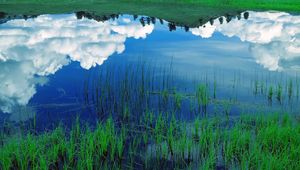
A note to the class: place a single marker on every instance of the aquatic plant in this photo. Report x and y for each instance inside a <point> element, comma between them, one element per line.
<point>253,141</point>
<point>279,93</point>
<point>270,94</point>
<point>297,87</point>
<point>178,99</point>
<point>290,89</point>
<point>256,86</point>
<point>202,96</point>
<point>215,88</point>
<point>262,85</point>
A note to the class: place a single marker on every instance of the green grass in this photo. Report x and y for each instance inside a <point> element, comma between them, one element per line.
<point>190,13</point>
<point>246,4</point>
<point>252,142</point>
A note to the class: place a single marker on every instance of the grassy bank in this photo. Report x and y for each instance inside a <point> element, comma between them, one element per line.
<point>281,5</point>
<point>249,142</point>
<point>190,13</point>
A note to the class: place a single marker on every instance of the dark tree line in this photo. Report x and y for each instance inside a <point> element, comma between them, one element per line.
<point>83,14</point>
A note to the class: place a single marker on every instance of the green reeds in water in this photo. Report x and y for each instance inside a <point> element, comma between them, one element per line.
<point>256,86</point>
<point>131,90</point>
<point>215,88</point>
<point>251,142</point>
<point>290,90</point>
<point>279,93</point>
<point>133,135</point>
<point>178,100</point>
<point>202,96</point>
<point>270,94</point>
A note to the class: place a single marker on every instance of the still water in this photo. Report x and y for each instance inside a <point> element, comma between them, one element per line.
<point>56,67</point>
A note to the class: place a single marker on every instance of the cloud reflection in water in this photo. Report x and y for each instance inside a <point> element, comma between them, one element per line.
<point>273,36</point>
<point>35,48</point>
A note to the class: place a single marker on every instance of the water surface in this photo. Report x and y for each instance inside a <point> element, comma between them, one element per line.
<point>49,63</point>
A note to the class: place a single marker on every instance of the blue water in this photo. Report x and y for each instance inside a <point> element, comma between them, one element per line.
<point>46,61</point>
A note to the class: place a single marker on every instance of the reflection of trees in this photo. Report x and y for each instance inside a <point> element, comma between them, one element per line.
<point>153,20</point>
<point>211,21</point>
<point>161,21</point>
<point>228,18</point>
<point>203,21</point>
<point>186,28</point>
<point>246,15</point>
<point>3,18</point>
<point>142,21</point>
<point>2,15</point>
<point>172,27</point>
<point>200,21</point>
<point>148,20</point>
<point>221,20</point>
<point>83,14</point>
<point>239,16</point>
<point>114,16</point>
<point>80,14</point>
<point>25,17</point>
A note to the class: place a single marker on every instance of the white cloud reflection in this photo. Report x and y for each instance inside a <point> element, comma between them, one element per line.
<point>273,36</point>
<point>41,46</point>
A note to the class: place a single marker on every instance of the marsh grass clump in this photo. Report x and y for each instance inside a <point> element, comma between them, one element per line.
<point>256,87</point>
<point>279,93</point>
<point>270,94</point>
<point>178,100</point>
<point>202,95</point>
<point>215,89</point>
<point>236,144</point>
<point>251,142</point>
<point>269,143</point>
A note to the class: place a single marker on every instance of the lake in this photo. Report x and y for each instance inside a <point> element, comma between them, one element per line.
<point>48,60</point>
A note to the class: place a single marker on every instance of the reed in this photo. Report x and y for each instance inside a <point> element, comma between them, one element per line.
<point>270,94</point>
<point>202,96</point>
<point>290,89</point>
<point>253,141</point>
<point>178,100</point>
<point>279,93</point>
